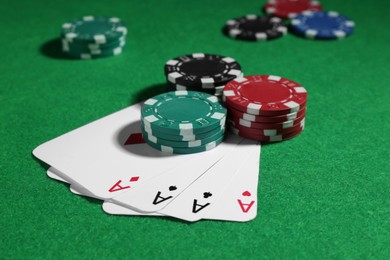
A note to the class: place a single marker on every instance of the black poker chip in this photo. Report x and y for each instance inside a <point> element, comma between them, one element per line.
<point>202,70</point>
<point>255,28</point>
<point>217,91</point>
<point>174,87</point>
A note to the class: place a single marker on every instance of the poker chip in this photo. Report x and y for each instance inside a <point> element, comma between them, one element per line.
<point>92,37</point>
<point>265,108</point>
<point>257,125</point>
<point>174,87</point>
<point>262,138</point>
<point>183,144</point>
<point>266,119</point>
<point>96,53</point>
<point>267,131</point>
<point>290,8</point>
<point>187,150</point>
<point>183,137</point>
<point>255,28</point>
<point>183,122</point>
<point>264,95</point>
<point>214,90</point>
<point>183,113</point>
<point>94,29</point>
<point>322,25</point>
<point>217,91</point>
<point>201,72</point>
<point>73,47</point>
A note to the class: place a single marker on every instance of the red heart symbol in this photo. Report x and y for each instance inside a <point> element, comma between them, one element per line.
<point>246,193</point>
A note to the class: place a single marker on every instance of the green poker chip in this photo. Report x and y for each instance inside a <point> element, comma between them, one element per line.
<point>183,113</point>
<point>94,29</point>
<point>178,150</point>
<point>77,50</point>
<point>73,47</point>
<point>80,51</point>
<point>180,138</point>
<point>95,54</point>
<point>182,144</point>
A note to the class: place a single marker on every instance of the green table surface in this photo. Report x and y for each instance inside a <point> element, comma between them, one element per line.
<point>323,194</point>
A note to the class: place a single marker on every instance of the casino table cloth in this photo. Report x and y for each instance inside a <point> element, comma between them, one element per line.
<point>322,194</point>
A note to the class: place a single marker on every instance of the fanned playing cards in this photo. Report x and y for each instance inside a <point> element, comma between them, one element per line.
<point>109,160</point>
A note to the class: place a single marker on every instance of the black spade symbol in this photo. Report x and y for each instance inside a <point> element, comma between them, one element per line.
<point>207,194</point>
<point>172,188</point>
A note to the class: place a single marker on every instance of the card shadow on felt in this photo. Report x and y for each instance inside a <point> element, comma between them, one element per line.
<point>52,49</point>
<point>44,165</point>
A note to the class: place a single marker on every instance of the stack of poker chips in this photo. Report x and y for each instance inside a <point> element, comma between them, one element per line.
<point>207,73</point>
<point>305,17</point>
<point>92,37</point>
<point>265,108</point>
<point>287,9</point>
<point>309,21</point>
<point>253,27</point>
<point>183,122</point>
<point>322,25</point>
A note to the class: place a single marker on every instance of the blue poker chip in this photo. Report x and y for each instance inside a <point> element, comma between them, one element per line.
<point>322,25</point>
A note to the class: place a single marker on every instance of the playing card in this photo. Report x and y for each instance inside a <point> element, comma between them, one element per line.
<point>156,193</point>
<point>55,174</point>
<point>148,196</point>
<point>238,201</point>
<point>108,156</point>
<point>199,198</point>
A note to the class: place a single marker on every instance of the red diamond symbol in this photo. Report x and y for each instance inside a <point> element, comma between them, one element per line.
<point>135,138</point>
<point>132,179</point>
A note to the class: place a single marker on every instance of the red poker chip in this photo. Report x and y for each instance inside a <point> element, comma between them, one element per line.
<point>258,125</point>
<point>276,138</point>
<point>289,8</point>
<point>267,119</point>
<point>268,132</point>
<point>264,95</point>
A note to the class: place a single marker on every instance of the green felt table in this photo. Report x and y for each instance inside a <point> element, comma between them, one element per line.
<point>323,194</point>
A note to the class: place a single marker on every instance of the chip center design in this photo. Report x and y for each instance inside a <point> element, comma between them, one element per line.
<point>322,23</point>
<point>95,26</point>
<point>190,109</point>
<point>265,92</point>
<point>203,67</point>
<point>256,25</point>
